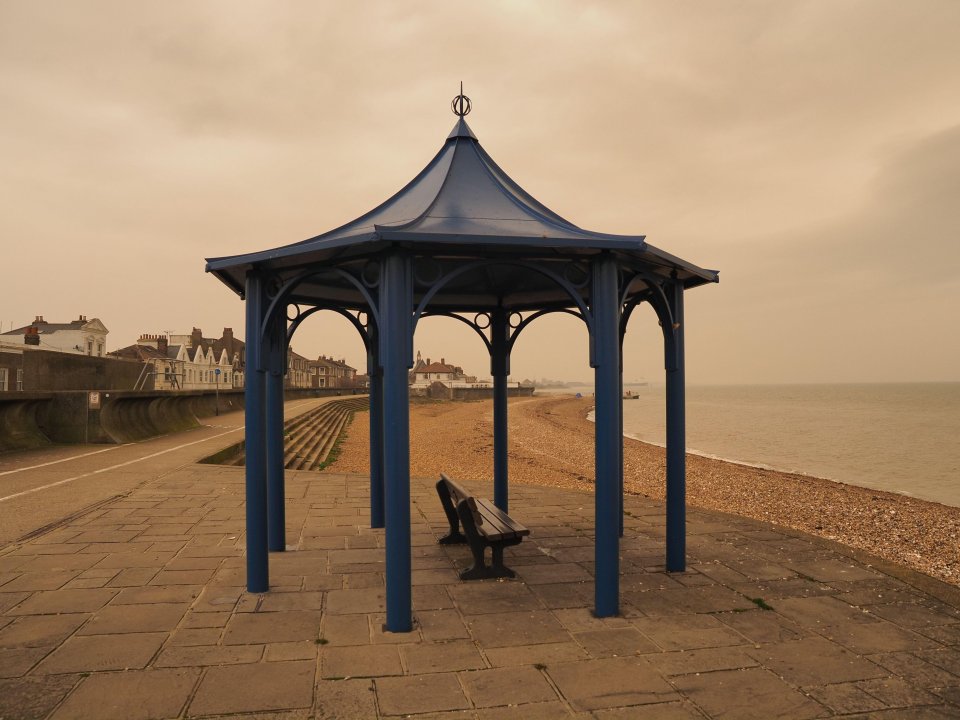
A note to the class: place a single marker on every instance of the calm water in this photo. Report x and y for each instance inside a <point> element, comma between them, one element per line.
<point>899,437</point>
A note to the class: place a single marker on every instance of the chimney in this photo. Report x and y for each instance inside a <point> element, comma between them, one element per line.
<point>228,339</point>
<point>32,336</point>
<point>83,319</point>
<point>196,338</point>
<point>39,320</point>
<point>162,343</point>
<point>443,361</point>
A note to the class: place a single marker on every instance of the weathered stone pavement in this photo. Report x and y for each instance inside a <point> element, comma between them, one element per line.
<point>138,610</point>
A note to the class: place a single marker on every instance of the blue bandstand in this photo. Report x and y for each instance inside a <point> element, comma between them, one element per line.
<point>462,240</point>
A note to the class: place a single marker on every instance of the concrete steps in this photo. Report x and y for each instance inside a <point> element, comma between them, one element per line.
<point>309,438</point>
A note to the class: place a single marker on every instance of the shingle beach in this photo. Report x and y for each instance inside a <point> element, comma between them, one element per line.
<point>551,444</point>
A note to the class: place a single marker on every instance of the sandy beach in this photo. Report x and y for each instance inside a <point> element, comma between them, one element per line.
<point>551,444</point>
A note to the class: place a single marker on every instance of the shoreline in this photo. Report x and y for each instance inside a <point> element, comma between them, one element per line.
<point>551,444</point>
<point>772,468</point>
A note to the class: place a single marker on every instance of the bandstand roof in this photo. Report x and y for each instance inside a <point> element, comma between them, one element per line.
<point>461,206</point>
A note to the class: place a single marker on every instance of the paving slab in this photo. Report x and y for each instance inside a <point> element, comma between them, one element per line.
<point>35,697</point>
<point>751,694</point>
<point>164,628</point>
<point>143,695</point>
<point>103,652</point>
<point>507,686</point>
<point>254,688</point>
<point>420,694</point>
<point>612,682</point>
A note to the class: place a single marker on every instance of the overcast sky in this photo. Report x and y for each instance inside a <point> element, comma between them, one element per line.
<point>810,151</point>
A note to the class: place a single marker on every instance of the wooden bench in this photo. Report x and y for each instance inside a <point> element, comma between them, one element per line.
<point>484,525</point>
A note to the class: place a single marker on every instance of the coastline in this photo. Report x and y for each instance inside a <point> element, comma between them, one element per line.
<point>551,444</point>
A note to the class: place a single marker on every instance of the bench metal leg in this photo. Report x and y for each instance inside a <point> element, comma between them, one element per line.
<point>454,537</point>
<point>498,566</point>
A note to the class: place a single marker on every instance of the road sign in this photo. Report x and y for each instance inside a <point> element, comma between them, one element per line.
<point>217,371</point>
<point>93,401</point>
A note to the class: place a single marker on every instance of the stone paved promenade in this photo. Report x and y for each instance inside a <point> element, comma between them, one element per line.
<point>137,610</point>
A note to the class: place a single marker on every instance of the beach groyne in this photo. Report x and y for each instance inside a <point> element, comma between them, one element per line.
<point>30,420</point>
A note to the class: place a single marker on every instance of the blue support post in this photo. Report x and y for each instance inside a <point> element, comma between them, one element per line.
<point>276,493</point>
<point>500,369</point>
<point>258,576</point>
<point>396,344</point>
<point>620,443</point>
<point>376,432</point>
<point>606,346</point>
<point>676,532</point>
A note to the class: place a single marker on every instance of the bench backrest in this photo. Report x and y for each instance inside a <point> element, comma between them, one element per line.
<point>457,491</point>
<point>485,513</point>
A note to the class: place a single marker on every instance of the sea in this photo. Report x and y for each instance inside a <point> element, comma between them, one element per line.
<point>899,437</point>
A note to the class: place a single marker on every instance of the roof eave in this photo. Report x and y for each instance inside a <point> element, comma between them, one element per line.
<point>627,243</point>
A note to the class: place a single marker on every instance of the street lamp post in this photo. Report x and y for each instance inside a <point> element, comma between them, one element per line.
<point>216,374</point>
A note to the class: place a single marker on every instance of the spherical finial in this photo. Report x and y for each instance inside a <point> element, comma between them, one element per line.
<point>461,104</point>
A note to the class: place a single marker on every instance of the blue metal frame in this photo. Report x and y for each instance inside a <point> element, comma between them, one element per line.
<point>676,440</point>
<point>390,355</point>
<point>666,297</point>
<point>395,344</point>
<point>500,369</point>
<point>605,296</point>
<point>375,375</point>
<point>276,361</point>
<point>368,265</point>
<point>258,575</point>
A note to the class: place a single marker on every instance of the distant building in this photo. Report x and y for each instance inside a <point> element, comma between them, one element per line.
<point>166,369</point>
<point>202,356</point>
<point>188,362</point>
<point>426,371</point>
<point>325,372</point>
<point>79,337</point>
<point>298,371</point>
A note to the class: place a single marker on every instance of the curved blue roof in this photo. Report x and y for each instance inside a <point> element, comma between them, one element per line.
<point>462,202</point>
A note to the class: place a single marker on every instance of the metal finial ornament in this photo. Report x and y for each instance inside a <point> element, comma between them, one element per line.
<point>461,104</point>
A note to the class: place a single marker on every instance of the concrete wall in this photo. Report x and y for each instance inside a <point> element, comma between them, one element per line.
<point>19,425</point>
<point>48,371</point>
<point>36,419</point>
<point>438,391</point>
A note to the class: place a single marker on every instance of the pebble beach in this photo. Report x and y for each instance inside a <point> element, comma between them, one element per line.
<point>551,444</point>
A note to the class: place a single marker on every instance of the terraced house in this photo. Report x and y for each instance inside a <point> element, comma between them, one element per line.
<point>325,372</point>
<point>188,362</point>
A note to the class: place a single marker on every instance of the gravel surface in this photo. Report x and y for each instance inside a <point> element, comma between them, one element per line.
<point>551,443</point>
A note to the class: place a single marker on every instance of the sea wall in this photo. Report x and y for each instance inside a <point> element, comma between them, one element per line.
<point>29,420</point>
<point>439,391</point>
<point>19,426</point>
<point>48,371</point>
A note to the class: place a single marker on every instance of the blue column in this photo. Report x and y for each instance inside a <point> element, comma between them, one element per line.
<point>376,432</point>
<point>605,301</point>
<point>500,369</point>
<point>676,440</point>
<point>396,344</point>
<point>276,494</point>
<point>258,576</point>
<point>620,444</point>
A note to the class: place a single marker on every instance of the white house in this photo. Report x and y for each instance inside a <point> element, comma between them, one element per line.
<point>80,337</point>
<point>427,372</point>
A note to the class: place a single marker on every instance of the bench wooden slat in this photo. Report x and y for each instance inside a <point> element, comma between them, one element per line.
<point>501,523</point>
